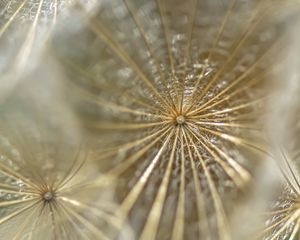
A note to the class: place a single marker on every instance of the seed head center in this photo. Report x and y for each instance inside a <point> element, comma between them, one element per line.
<point>48,196</point>
<point>180,119</point>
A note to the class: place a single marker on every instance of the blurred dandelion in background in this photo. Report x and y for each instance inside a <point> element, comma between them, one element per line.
<point>25,27</point>
<point>47,188</point>
<point>149,121</point>
<point>283,220</point>
<point>44,193</point>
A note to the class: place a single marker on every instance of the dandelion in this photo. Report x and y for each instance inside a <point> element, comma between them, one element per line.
<point>46,186</point>
<point>46,177</point>
<point>284,219</point>
<point>173,93</point>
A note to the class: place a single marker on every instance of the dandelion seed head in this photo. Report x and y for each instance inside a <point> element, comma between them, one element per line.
<point>283,221</point>
<point>69,204</point>
<point>179,87</point>
<point>48,186</point>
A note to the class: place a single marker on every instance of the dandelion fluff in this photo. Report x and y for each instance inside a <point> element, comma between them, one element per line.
<point>283,220</point>
<point>174,93</point>
<point>47,183</point>
<point>25,27</point>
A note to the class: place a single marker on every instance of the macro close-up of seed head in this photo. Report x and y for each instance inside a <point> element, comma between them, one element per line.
<point>148,119</point>
<point>173,93</point>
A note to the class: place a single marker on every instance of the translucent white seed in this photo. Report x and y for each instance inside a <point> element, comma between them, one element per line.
<point>48,196</point>
<point>180,119</point>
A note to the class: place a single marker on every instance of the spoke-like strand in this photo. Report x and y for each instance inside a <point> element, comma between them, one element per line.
<point>220,213</point>
<point>292,176</point>
<point>220,32</point>
<point>125,126</point>
<point>295,230</point>
<point>121,167</point>
<point>135,192</point>
<point>7,203</point>
<point>133,144</point>
<point>13,16</point>
<point>107,88</point>
<point>74,169</point>
<point>103,34</point>
<point>237,140</point>
<point>234,164</point>
<point>103,103</point>
<point>12,174</point>
<point>278,222</point>
<point>178,228</point>
<point>18,192</point>
<point>15,189</point>
<point>188,50</point>
<point>291,219</point>
<point>284,210</point>
<point>243,117</point>
<point>223,124</point>
<point>229,96</point>
<point>18,212</point>
<point>27,221</point>
<point>229,171</point>
<point>216,76</point>
<point>96,211</point>
<point>21,58</point>
<point>202,215</point>
<point>144,35</point>
<point>230,109</point>
<point>68,218</point>
<point>237,80</point>
<point>151,226</point>
<point>89,225</point>
<point>169,48</point>
<point>19,140</point>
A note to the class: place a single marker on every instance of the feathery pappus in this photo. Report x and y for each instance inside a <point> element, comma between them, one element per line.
<point>174,94</point>
<point>283,220</point>
<point>25,27</point>
<point>46,191</point>
<point>47,187</point>
<point>24,24</point>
